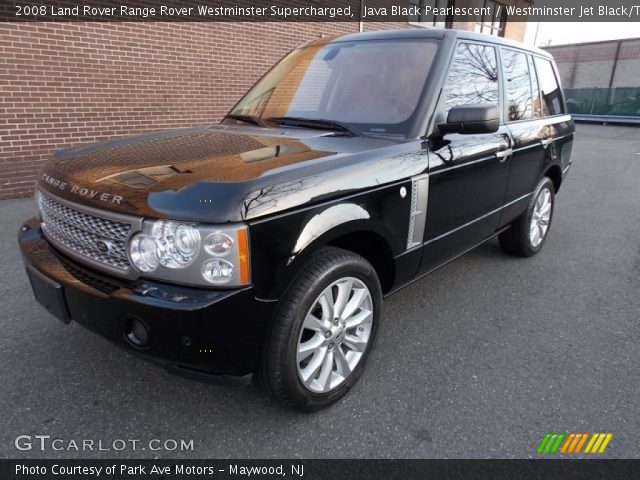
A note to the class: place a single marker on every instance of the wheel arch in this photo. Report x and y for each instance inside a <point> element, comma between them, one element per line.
<point>555,174</point>
<point>375,249</point>
<point>362,237</point>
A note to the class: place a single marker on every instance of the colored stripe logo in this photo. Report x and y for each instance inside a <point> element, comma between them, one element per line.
<point>574,442</point>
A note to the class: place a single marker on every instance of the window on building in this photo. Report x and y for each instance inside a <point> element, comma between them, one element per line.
<point>549,88</point>
<point>430,20</point>
<point>495,21</point>
<point>472,77</point>
<point>519,105</point>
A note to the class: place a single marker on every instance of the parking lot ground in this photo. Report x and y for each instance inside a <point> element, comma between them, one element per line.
<point>479,359</point>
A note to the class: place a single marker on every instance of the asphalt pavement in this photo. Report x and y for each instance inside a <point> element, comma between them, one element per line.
<point>479,359</point>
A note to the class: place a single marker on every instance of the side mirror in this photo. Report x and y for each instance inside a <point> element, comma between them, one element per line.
<point>471,119</point>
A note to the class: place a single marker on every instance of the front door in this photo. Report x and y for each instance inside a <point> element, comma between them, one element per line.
<point>468,173</point>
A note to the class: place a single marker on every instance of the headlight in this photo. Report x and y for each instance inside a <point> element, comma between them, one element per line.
<point>177,244</point>
<point>218,244</point>
<point>175,252</point>
<point>144,253</point>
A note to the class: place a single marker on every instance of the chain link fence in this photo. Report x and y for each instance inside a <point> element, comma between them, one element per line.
<point>623,101</point>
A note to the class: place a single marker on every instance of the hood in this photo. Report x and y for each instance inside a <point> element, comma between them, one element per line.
<point>220,173</point>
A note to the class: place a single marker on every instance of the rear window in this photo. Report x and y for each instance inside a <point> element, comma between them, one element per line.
<point>518,86</point>
<point>549,88</point>
<point>537,106</point>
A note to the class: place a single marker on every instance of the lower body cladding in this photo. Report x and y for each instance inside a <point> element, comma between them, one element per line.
<point>213,336</point>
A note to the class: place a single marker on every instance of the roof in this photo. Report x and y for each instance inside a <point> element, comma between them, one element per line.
<point>436,33</point>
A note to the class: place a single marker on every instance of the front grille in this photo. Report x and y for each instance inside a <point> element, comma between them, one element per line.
<point>82,233</point>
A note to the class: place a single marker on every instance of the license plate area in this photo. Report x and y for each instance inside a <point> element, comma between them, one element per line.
<point>49,294</point>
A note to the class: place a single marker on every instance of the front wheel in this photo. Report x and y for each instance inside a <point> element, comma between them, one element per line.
<point>324,331</point>
<point>527,234</point>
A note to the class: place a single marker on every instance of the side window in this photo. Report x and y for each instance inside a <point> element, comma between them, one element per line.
<point>537,106</point>
<point>473,76</point>
<point>549,89</point>
<point>518,85</point>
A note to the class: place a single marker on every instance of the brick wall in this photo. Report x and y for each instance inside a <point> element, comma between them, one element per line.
<point>66,83</point>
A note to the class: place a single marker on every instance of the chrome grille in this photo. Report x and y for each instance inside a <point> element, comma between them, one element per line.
<point>81,232</point>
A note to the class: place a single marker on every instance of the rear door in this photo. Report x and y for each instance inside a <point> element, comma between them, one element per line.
<point>523,115</point>
<point>560,126</point>
<point>467,173</point>
<point>536,117</point>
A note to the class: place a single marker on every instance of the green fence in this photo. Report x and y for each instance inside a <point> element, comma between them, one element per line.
<point>604,101</point>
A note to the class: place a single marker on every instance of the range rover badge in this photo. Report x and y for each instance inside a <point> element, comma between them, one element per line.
<point>104,245</point>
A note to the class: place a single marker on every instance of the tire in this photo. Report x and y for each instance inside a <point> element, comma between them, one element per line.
<point>301,325</point>
<point>520,239</point>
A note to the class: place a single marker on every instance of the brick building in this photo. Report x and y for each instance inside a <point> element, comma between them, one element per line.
<point>69,82</point>
<point>605,64</point>
<point>601,78</point>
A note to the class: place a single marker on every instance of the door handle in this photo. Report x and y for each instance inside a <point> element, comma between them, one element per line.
<point>545,142</point>
<point>502,155</point>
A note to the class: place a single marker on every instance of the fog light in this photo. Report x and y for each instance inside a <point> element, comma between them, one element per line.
<point>136,333</point>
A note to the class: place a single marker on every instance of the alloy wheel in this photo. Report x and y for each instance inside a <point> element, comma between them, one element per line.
<point>334,335</point>
<point>540,218</point>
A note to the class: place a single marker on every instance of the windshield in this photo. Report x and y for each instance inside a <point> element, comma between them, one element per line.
<point>373,86</point>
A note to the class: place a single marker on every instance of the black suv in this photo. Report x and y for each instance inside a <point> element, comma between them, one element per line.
<point>265,244</point>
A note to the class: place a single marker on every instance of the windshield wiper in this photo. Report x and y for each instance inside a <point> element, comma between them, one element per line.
<point>247,119</point>
<point>318,123</point>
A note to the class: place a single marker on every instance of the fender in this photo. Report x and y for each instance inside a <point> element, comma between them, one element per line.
<point>325,222</point>
<point>282,244</point>
<point>331,224</point>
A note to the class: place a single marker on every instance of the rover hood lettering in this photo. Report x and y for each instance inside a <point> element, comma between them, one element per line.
<point>79,191</point>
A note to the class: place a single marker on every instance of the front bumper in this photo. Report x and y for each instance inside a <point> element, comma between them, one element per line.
<point>209,335</point>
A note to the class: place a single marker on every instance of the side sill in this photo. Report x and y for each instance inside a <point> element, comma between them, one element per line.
<point>419,277</point>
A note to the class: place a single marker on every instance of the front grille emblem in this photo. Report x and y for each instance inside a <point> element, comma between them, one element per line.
<point>104,245</point>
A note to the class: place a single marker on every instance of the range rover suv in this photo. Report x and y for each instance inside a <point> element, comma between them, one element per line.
<point>263,246</point>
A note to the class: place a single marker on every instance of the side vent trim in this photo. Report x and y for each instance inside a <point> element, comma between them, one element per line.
<point>418,212</point>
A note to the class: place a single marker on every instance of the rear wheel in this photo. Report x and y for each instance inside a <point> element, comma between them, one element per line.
<point>324,331</point>
<point>527,233</point>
